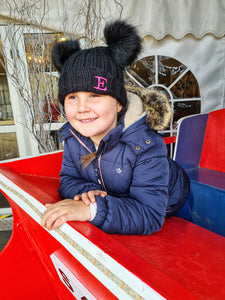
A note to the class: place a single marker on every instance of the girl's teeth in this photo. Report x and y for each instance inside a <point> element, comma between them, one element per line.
<point>88,120</point>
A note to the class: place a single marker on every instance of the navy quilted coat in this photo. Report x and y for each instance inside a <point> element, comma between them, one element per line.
<point>143,184</point>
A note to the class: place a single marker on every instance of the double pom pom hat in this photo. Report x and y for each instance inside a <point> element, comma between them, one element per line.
<point>99,69</point>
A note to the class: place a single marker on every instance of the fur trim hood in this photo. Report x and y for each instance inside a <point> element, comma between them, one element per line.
<point>149,102</point>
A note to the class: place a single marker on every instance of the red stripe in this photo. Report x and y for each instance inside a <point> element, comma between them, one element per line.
<point>170,139</point>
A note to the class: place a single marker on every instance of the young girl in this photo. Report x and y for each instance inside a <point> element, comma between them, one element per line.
<point>115,172</point>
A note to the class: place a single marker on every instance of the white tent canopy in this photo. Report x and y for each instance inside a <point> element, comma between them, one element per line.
<point>156,18</point>
<point>179,17</point>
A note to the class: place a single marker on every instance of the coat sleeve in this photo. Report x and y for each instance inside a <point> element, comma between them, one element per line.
<point>144,210</point>
<point>71,183</point>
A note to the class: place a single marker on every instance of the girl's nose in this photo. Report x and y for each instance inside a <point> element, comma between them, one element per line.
<point>83,104</point>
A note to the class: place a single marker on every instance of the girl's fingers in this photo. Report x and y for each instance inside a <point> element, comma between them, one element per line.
<point>85,198</point>
<point>91,196</point>
<point>103,194</point>
<point>63,211</point>
<point>50,215</point>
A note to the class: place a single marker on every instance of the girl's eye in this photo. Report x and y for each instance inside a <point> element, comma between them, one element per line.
<point>95,95</point>
<point>72,97</point>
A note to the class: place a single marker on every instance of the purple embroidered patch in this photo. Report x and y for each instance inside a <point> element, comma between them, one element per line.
<point>102,83</point>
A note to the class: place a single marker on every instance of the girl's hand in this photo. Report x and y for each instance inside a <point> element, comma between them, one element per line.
<point>66,210</point>
<point>89,197</point>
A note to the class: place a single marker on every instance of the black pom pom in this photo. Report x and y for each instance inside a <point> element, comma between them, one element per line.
<point>62,51</point>
<point>123,42</point>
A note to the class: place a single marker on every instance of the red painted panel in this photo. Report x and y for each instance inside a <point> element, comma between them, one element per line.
<point>42,165</point>
<point>213,151</point>
<point>181,261</point>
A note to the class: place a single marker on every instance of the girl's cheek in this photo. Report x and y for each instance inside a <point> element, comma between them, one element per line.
<point>69,115</point>
<point>69,110</point>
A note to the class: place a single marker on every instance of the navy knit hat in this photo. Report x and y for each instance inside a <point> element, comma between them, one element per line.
<point>100,69</point>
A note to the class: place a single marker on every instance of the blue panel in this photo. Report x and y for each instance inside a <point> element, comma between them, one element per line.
<point>209,207</point>
<point>190,140</point>
<point>206,176</point>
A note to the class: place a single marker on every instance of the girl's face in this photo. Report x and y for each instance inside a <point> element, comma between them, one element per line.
<point>93,115</point>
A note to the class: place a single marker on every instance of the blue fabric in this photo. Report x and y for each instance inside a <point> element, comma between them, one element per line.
<point>143,185</point>
<point>186,211</point>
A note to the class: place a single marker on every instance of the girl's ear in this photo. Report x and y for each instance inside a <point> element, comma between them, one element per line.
<point>123,42</point>
<point>119,107</point>
<point>62,51</point>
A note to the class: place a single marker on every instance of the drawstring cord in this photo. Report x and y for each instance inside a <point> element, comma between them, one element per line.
<point>80,141</point>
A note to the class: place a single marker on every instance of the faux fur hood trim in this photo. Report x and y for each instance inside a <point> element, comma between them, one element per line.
<point>143,101</point>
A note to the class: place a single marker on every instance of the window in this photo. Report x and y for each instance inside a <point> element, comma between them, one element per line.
<point>43,76</point>
<point>43,83</point>
<point>169,76</point>
<point>5,104</point>
<point>8,141</point>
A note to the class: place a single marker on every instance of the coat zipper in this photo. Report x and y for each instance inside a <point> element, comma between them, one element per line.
<point>100,172</point>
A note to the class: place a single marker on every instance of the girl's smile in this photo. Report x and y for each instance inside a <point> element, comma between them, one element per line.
<point>87,120</point>
<point>93,115</point>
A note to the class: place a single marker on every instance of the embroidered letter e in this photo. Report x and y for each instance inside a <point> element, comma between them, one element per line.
<point>102,84</point>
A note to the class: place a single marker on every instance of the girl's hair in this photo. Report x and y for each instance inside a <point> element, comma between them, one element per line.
<point>87,159</point>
